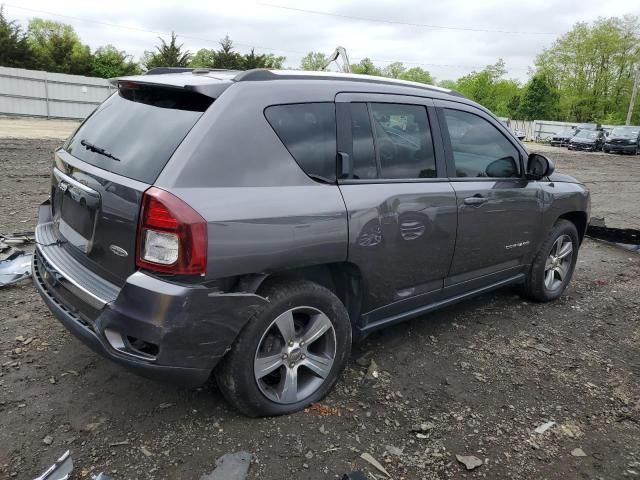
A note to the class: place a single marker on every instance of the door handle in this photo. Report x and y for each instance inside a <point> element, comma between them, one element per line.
<point>475,200</point>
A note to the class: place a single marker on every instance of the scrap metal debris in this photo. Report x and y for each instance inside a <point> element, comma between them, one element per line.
<point>230,466</point>
<point>14,268</point>
<point>61,470</point>
<point>627,238</point>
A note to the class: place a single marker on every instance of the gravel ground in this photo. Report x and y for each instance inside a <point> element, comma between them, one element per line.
<point>474,379</point>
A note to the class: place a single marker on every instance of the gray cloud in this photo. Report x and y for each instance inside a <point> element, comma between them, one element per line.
<point>446,53</point>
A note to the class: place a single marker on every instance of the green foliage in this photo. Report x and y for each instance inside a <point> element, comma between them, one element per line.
<point>314,61</point>
<point>14,49</point>
<point>227,57</point>
<point>592,67</point>
<point>204,58</point>
<point>539,100</point>
<point>167,55</point>
<point>56,47</point>
<point>110,62</point>
<point>488,88</point>
<point>394,70</point>
<point>366,67</point>
<point>417,74</point>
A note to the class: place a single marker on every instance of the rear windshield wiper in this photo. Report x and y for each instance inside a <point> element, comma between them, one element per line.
<point>101,151</point>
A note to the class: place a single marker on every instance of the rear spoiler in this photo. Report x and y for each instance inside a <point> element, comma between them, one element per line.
<point>211,89</point>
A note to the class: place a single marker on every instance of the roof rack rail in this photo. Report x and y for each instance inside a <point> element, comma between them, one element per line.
<point>161,70</point>
<point>262,74</point>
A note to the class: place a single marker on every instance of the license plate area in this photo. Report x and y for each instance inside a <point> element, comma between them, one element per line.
<point>76,209</point>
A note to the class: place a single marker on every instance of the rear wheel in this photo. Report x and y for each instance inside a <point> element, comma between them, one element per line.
<point>290,354</point>
<point>554,264</point>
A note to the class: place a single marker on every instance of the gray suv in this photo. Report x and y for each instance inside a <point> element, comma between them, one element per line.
<point>253,224</point>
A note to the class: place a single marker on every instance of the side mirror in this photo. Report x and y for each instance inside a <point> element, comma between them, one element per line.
<point>539,166</point>
<point>505,167</point>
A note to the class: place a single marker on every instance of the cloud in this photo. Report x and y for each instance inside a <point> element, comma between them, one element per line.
<point>447,53</point>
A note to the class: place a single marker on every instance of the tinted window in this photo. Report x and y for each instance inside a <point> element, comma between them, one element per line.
<point>479,149</point>
<point>364,155</point>
<point>403,141</point>
<point>140,126</point>
<point>308,130</point>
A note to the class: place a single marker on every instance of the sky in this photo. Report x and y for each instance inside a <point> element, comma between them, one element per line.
<point>447,38</point>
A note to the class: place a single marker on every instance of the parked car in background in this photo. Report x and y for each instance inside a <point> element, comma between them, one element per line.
<point>251,224</point>
<point>562,137</point>
<point>590,140</point>
<point>623,139</point>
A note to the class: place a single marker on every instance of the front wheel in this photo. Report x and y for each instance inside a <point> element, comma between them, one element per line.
<point>290,354</point>
<point>554,264</point>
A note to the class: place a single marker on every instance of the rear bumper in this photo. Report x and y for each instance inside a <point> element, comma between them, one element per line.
<point>158,329</point>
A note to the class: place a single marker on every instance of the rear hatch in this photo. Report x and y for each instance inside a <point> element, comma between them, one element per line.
<point>102,171</point>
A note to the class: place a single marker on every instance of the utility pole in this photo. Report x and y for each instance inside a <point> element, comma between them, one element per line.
<point>634,94</point>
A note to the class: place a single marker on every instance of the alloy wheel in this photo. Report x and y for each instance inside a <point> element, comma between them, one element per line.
<point>558,263</point>
<point>295,355</point>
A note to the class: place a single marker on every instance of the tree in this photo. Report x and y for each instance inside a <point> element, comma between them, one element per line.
<point>314,61</point>
<point>251,60</point>
<point>417,74</point>
<point>204,58</point>
<point>394,70</point>
<point>167,55</point>
<point>109,62</point>
<point>488,88</point>
<point>366,67</point>
<point>56,47</point>
<point>14,49</point>
<point>227,57</point>
<point>539,100</point>
<point>274,62</point>
<point>591,67</point>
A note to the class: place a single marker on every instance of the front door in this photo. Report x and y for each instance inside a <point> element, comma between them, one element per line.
<point>499,210</point>
<point>401,207</point>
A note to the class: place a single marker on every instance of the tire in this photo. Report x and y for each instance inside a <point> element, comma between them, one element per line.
<point>537,285</point>
<point>605,150</point>
<point>261,345</point>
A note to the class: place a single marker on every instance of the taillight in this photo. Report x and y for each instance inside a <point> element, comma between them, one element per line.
<point>172,236</point>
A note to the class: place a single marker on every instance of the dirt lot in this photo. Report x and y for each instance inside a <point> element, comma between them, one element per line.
<point>476,379</point>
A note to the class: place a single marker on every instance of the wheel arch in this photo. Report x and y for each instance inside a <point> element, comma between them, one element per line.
<point>579,219</point>
<point>342,278</point>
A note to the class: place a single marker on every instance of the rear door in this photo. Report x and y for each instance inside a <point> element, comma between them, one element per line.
<point>499,210</point>
<point>103,169</point>
<point>401,207</point>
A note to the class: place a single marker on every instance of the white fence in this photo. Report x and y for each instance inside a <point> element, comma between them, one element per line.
<point>52,95</point>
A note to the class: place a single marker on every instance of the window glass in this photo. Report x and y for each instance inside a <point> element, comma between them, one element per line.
<point>364,155</point>
<point>403,141</point>
<point>308,130</point>
<point>479,149</point>
<point>141,126</point>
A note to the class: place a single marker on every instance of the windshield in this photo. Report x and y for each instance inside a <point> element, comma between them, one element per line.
<point>135,131</point>
<point>625,131</point>
<point>587,134</point>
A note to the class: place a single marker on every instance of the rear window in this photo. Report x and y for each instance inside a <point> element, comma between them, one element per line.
<point>308,130</point>
<point>135,131</point>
